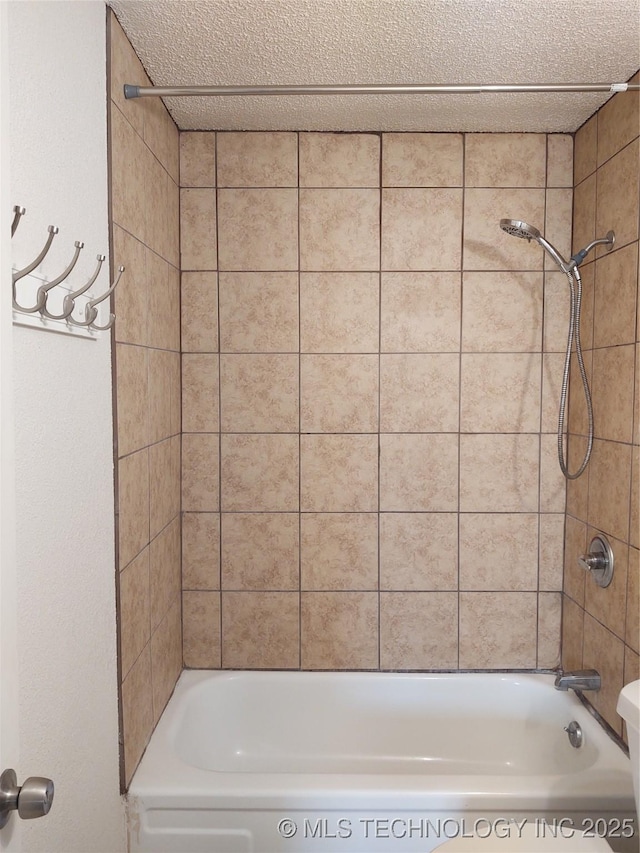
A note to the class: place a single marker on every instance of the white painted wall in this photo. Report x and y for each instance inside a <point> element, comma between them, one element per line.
<point>63,436</point>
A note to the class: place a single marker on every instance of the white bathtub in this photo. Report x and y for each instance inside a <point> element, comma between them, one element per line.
<point>275,761</point>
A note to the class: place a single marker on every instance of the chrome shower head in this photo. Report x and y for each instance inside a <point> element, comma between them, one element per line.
<point>517,228</point>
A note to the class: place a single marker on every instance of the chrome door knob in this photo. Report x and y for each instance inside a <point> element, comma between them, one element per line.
<point>35,797</point>
<point>31,800</point>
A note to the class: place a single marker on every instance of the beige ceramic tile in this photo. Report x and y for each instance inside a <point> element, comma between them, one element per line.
<point>610,488</point>
<point>339,229</point>
<point>499,473</point>
<point>634,508</point>
<point>258,229</point>
<point>260,551</point>
<point>578,489</point>
<point>129,164</point>
<point>199,312</point>
<point>552,371</point>
<point>422,159</point>
<point>133,617</point>
<point>551,552</point>
<point>259,312</point>
<point>125,68</point>
<point>419,473</point>
<point>200,392</point>
<point>164,571</point>
<point>137,712</point>
<point>498,551</point>
<point>584,214</point>
<point>572,634</point>
<point>201,629</point>
<point>585,150</point>
<point>618,124</point>
<point>132,389</point>
<point>616,283</point>
<point>418,551</point>
<point>557,303</point>
<point>339,473</point>
<point>418,630</point>
<point>557,225</point>
<point>174,364</point>
<point>618,198</point>
<point>197,159</point>
<point>200,550</point>
<point>166,657</point>
<point>257,159</point>
<point>576,414</point>
<point>421,229</point>
<point>339,630</point>
<point>164,303</point>
<point>260,630</point>
<point>553,485</point>
<point>198,250</point>
<point>133,505</point>
<point>500,393</point>
<point>164,483</point>
<point>200,459</point>
<point>339,393</point>
<point>502,312</point>
<point>632,629</point>
<point>161,391</point>
<point>609,604</point>
<point>613,381</point>
<point>162,136</point>
<point>575,546</point>
<point>636,412</point>
<point>130,297</point>
<point>172,223</point>
<point>498,630</point>
<point>259,393</point>
<point>420,312</point>
<point>419,393</point>
<point>486,246</point>
<point>549,629</point>
<point>260,473</point>
<point>505,159</point>
<point>559,160</point>
<point>339,312</point>
<point>605,653</point>
<point>154,205</point>
<point>339,160</point>
<point>339,551</point>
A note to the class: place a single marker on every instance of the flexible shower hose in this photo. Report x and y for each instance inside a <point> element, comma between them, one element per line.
<point>575,286</point>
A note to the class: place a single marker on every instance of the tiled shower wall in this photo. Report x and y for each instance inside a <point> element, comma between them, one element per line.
<point>601,626</point>
<point>145,227</point>
<point>370,376</point>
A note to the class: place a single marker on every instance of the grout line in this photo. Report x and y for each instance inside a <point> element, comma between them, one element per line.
<point>460,345</point>
<point>379,455</point>
<point>300,638</point>
<point>219,330</point>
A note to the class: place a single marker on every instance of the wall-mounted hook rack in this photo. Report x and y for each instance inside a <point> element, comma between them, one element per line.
<point>18,213</point>
<point>43,290</point>
<point>56,320</point>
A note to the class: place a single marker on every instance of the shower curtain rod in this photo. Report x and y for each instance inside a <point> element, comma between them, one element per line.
<point>131,91</point>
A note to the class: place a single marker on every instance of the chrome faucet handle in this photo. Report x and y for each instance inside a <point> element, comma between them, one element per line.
<point>599,561</point>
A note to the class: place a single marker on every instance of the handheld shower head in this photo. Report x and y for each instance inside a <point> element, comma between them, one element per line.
<point>517,228</point>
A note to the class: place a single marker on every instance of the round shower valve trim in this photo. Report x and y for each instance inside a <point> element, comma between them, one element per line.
<point>599,561</point>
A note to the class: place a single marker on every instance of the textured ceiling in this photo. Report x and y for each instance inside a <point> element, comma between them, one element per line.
<point>253,42</point>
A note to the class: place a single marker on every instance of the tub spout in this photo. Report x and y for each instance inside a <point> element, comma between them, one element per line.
<point>583,679</point>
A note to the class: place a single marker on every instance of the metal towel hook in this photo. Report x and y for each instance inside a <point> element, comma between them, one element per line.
<point>53,230</point>
<point>90,308</point>
<point>69,301</point>
<point>43,291</point>
<point>18,213</point>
